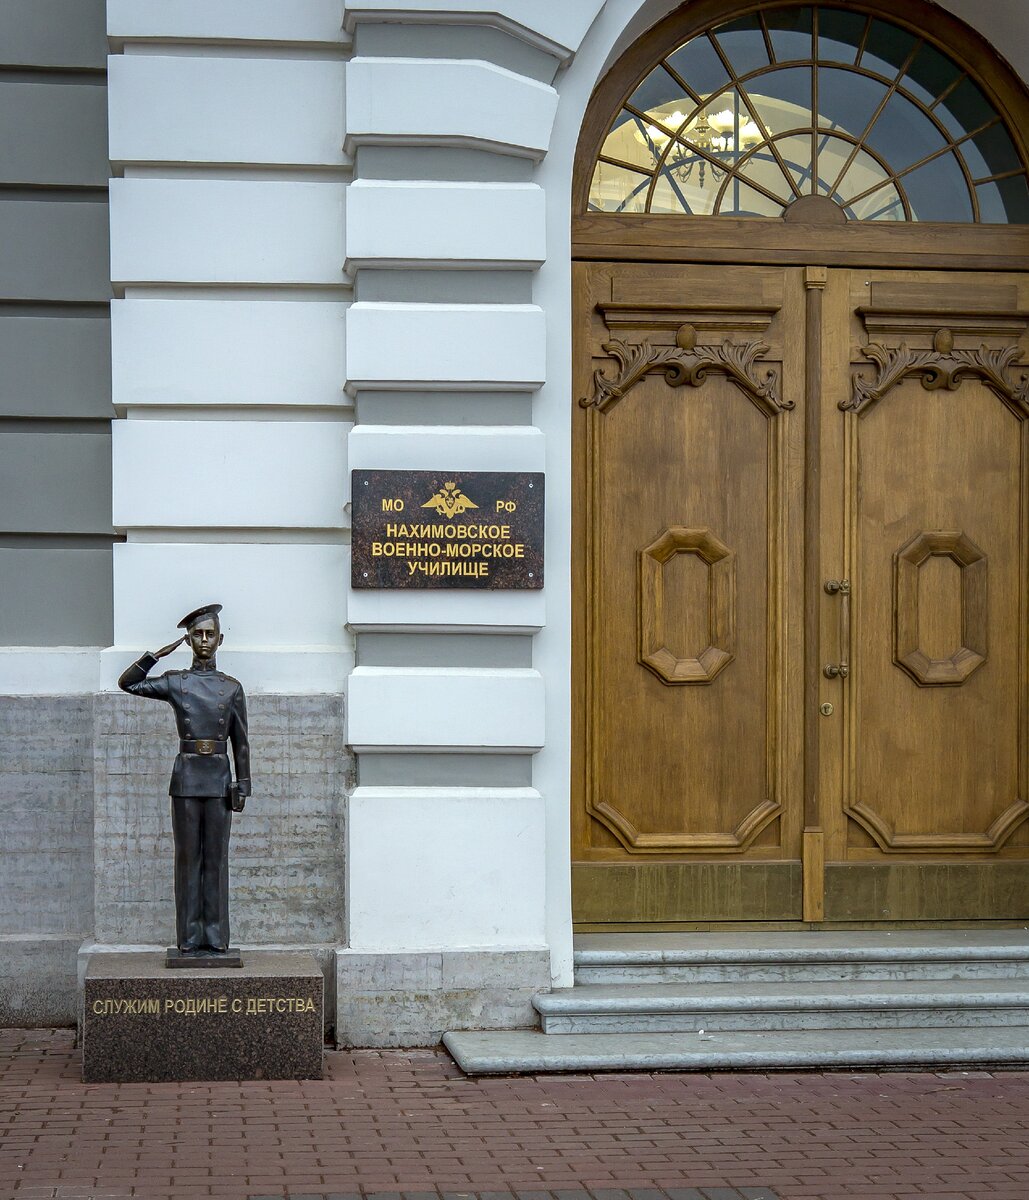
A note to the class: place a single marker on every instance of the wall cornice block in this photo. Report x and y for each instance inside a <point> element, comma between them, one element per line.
<point>435,610</point>
<point>298,23</point>
<point>49,670</point>
<point>206,109</point>
<point>435,347</point>
<point>202,353</point>
<point>446,448</point>
<point>443,224</point>
<point>226,231</point>
<point>229,474</point>
<point>556,28</point>
<point>415,835</point>
<point>447,102</point>
<point>472,710</point>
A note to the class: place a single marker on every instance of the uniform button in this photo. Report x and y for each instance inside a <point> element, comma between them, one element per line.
<point>220,707</point>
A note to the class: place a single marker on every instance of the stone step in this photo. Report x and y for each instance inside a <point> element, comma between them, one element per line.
<point>861,1004</point>
<point>613,958</point>
<point>521,1051</point>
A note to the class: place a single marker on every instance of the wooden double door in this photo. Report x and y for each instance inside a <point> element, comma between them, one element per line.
<point>801,595</point>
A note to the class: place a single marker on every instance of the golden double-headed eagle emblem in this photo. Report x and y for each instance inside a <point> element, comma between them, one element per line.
<point>449,501</point>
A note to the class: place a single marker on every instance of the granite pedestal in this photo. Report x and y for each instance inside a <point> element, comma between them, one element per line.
<point>142,1022</point>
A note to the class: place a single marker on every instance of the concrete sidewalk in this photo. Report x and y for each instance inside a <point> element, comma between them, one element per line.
<point>409,1121</point>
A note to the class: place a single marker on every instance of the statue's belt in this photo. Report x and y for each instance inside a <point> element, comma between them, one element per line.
<point>203,746</point>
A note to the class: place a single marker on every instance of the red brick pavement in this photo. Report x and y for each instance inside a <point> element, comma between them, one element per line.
<point>390,1121</point>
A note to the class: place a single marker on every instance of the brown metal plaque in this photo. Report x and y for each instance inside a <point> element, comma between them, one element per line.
<point>447,529</point>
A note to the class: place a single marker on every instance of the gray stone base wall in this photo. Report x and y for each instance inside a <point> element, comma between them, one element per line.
<point>38,985</point>
<point>412,999</point>
<point>86,868</point>
<point>286,866</point>
<point>46,853</point>
<point>86,845</point>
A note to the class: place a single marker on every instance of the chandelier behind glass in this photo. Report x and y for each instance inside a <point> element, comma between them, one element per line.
<point>719,134</point>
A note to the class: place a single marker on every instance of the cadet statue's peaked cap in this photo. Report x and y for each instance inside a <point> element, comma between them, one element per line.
<point>190,619</point>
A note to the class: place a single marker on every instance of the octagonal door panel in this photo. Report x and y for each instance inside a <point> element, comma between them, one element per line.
<point>688,804</point>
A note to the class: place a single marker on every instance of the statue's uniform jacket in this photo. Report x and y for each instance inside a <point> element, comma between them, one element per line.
<point>209,706</point>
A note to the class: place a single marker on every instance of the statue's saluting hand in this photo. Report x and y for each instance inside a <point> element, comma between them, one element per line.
<point>166,650</point>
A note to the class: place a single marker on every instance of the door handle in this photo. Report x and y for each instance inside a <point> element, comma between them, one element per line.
<point>841,588</point>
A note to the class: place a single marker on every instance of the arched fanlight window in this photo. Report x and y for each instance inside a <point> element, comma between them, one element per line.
<point>812,100</point>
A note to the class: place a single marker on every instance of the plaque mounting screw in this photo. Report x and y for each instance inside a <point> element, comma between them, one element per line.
<point>364,574</point>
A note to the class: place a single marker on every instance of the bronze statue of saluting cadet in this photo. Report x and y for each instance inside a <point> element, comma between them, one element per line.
<point>211,714</point>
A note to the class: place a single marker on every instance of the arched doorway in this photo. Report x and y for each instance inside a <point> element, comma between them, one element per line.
<point>801,236</point>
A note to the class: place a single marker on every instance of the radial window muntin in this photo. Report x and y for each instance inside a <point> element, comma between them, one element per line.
<point>698,164</point>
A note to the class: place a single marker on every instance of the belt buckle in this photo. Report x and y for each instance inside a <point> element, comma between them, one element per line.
<point>205,746</point>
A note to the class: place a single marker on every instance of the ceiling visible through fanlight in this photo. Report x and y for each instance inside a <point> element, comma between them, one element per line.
<point>812,100</point>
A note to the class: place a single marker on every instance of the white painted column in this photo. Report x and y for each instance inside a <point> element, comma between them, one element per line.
<point>492,846</point>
